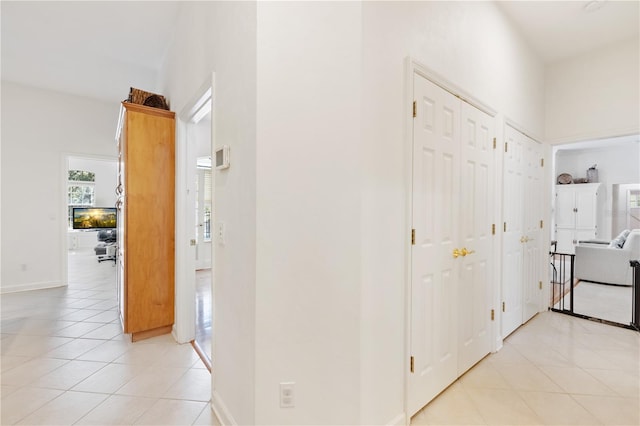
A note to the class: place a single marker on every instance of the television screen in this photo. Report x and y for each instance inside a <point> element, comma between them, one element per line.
<point>94,217</point>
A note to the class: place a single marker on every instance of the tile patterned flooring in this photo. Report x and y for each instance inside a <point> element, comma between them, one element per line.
<point>608,302</point>
<point>554,370</point>
<point>65,360</point>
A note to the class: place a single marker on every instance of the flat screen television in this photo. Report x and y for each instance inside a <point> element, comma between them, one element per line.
<point>94,217</point>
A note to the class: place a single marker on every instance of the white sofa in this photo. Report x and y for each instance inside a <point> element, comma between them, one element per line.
<point>608,263</point>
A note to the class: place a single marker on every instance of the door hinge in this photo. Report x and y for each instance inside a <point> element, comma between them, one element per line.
<point>494,143</point>
<point>541,224</point>
<point>506,147</point>
<point>542,162</point>
<point>413,237</point>
<point>493,314</point>
<point>493,229</point>
<point>504,227</point>
<point>504,307</point>
<point>415,109</point>
<point>540,285</point>
<point>411,364</point>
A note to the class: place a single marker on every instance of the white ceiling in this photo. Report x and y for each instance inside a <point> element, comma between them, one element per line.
<point>94,49</point>
<point>101,48</point>
<point>560,29</point>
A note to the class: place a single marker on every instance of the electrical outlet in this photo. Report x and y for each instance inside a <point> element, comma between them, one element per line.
<point>287,399</point>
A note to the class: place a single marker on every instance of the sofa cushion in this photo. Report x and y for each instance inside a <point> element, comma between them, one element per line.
<point>618,242</point>
<point>624,234</point>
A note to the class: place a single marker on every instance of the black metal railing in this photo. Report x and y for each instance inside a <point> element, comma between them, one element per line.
<point>562,281</point>
<point>635,310</point>
<point>563,285</point>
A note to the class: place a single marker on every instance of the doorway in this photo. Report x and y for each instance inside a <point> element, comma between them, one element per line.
<point>606,294</point>
<point>203,216</point>
<point>89,181</point>
<point>194,214</point>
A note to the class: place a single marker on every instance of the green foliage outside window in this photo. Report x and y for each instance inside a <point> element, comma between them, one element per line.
<point>81,176</point>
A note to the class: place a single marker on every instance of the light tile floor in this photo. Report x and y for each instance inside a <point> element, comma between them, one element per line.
<point>64,360</point>
<point>554,370</point>
<point>607,302</point>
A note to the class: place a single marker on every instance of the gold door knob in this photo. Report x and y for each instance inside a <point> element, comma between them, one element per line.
<point>456,253</point>
<point>465,252</point>
<point>522,240</point>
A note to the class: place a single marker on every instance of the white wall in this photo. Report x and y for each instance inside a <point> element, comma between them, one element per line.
<point>619,164</point>
<point>473,46</point>
<point>38,128</point>
<point>317,187</point>
<point>308,211</point>
<point>594,95</point>
<point>221,37</point>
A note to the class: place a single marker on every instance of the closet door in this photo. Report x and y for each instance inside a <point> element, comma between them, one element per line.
<point>586,207</point>
<point>522,236</point>
<point>434,280</point>
<point>477,201</point>
<point>452,252</point>
<point>532,236</point>
<point>513,204</point>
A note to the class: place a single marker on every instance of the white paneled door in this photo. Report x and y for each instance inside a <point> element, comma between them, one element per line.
<point>477,201</point>
<point>532,241</point>
<point>434,290</point>
<point>452,209</point>
<point>513,205</point>
<point>522,230</point>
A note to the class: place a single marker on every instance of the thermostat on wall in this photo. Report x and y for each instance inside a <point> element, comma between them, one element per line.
<point>222,157</point>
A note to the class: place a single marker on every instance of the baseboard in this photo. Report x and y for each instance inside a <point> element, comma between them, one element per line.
<point>221,411</point>
<point>399,420</point>
<point>31,286</point>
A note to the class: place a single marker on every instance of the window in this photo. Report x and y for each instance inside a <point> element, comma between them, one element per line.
<point>204,221</point>
<point>80,191</point>
<point>634,200</point>
<point>207,205</point>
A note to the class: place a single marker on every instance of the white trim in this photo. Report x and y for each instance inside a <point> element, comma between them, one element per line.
<point>522,129</point>
<point>214,324</point>
<point>221,411</point>
<point>410,66</point>
<point>449,86</point>
<point>184,327</point>
<point>31,286</point>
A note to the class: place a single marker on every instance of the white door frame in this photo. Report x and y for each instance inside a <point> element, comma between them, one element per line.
<point>185,285</point>
<point>412,67</point>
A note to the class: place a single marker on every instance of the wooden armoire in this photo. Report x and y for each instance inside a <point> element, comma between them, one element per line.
<point>146,220</point>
